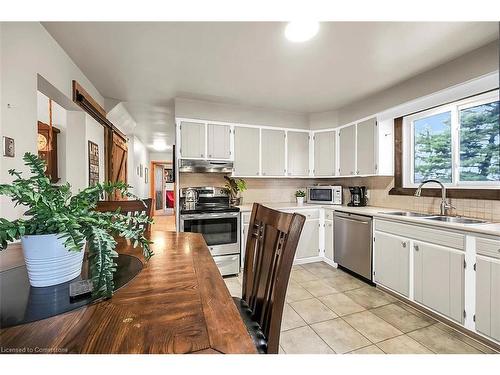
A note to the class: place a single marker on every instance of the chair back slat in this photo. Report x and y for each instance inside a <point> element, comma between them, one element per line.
<point>130,208</point>
<point>270,250</point>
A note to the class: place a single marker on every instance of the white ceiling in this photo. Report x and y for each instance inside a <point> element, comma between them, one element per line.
<point>251,63</point>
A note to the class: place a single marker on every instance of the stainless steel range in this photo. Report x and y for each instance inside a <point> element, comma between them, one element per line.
<point>206,210</point>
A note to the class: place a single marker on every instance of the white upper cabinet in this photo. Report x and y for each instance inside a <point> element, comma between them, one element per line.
<point>246,151</point>
<point>192,140</point>
<point>365,148</point>
<point>218,141</point>
<point>273,152</point>
<point>298,153</point>
<point>324,153</point>
<point>347,151</point>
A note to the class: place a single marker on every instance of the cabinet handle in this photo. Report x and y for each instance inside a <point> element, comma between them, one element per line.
<point>403,244</point>
<point>209,156</point>
<point>416,248</point>
<point>201,155</point>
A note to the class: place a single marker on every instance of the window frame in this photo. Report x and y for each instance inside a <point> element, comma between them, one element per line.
<point>408,152</point>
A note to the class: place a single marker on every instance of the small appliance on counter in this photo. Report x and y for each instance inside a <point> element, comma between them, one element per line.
<point>324,194</point>
<point>358,196</point>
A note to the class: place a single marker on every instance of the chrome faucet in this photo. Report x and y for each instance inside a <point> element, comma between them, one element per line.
<point>445,205</point>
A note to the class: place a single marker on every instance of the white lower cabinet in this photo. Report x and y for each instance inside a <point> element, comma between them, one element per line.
<point>392,262</point>
<point>488,296</point>
<point>309,240</point>
<point>329,240</point>
<point>439,279</point>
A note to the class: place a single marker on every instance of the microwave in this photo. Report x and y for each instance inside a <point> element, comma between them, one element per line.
<point>324,194</point>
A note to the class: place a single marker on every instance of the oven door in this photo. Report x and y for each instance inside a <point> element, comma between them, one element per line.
<point>221,231</point>
<point>319,195</point>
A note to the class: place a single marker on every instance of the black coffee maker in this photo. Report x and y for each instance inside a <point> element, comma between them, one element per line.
<point>358,196</point>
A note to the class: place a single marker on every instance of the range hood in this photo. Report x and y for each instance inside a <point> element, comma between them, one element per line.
<point>204,166</point>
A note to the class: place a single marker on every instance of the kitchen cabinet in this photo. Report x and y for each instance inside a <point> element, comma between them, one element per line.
<point>439,279</point>
<point>192,140</point>
<point>324,153</point>
<point>329,240</point>
<point>273,152</point>
<point>309,240</point>
<point>246,151</point>
<point>392,262</point>
<point>365,146</point>
<point>298,153</point>
<point>488,296</point>
<point>218,141</point>
<point>347,150</point>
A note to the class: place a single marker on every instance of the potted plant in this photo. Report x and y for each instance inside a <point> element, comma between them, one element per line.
<point>57,226</point>
<point>300,194</point>
<point>235,186</point>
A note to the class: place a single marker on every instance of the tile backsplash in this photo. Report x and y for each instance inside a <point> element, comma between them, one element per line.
<point>283,190</point>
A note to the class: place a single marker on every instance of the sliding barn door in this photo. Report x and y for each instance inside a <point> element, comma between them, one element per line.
<point>118,167</point>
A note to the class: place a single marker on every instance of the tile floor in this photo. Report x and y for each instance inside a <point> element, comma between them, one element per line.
<point>328,311</point>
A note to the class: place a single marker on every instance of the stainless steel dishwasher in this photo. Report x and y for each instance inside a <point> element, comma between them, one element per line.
<point>353,243</point>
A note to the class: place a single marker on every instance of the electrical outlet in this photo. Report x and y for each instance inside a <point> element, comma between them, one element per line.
<point>8,147</point>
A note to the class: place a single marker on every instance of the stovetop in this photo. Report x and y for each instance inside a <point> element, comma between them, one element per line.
<point>206,209</point>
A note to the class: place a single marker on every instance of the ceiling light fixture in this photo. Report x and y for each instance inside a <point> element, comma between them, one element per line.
<point>160,145</point>
<point>300,31</point>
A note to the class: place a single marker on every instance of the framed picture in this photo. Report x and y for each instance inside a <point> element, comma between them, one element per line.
<point>146,175</point>
<point>140,170</point>
<point>93,163</point>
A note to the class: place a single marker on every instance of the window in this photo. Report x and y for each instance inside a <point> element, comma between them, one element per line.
<point>457,144</point>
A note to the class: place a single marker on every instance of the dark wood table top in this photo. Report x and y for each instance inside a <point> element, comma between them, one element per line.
<point>178,303</point>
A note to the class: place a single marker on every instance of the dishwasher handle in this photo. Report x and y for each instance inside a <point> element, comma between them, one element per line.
<point>354,218</point>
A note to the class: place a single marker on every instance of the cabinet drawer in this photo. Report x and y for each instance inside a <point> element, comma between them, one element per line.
<point>328,215</point>
<point>309,214</point>
<point>485,246</point>
<point>228,264</point>
<point>436,236</point>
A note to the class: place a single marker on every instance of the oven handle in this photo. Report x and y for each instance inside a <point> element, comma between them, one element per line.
<point>209,216</point>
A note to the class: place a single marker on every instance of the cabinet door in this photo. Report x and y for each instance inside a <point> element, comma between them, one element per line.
<point>273,152</point>
<point>488,297</point>
<point>329,239</point>
<point>347,150</point>
<point>244,237</point>
<point>365,149</point>
<point>246,151</point>
<point>392,262</point>
<point>309,240</point>
<point>298,153</point>
<point>439,279</point>
<point>192,140</point>
<point>324,154</point>
<point>218,141</point>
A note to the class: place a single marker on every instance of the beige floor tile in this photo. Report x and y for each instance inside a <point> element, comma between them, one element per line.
<point>295,292</point>
<point>321,269</point>
<point>303,340</point>
<point>372,349</point>
<point>402,319</point>
<point>403,345</point>
<point>340,336</point>
<point>341,304</point>
<point>318,288</point>
<point>468,340</point>
<point>234,286</point>
<point>344,282</point>
<point>371,326</point>
<point>370,297</point>
<point>301,275</point>
<point>291,319</point>
<point>280,350</point>
<point>313,311</point>
<point>441,342</point>
<point>414,311</point>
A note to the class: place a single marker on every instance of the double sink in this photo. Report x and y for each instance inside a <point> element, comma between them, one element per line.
<point>446,219</point>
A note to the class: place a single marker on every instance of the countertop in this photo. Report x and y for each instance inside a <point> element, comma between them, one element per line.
<point>381,212</point>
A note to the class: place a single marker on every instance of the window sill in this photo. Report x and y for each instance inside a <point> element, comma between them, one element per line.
<point>487,194</point>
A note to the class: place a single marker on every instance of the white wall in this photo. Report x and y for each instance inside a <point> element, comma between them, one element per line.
<point>161,156</point>
<point>323,120</point>
<point>27,49</point>
<point>207,110</point>
<point>138,155</point>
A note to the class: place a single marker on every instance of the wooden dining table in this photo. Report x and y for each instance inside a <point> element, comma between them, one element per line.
<point>178,303</point>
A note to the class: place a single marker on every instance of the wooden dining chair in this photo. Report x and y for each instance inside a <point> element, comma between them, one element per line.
<point>130,208</point>
<point>272,240</point>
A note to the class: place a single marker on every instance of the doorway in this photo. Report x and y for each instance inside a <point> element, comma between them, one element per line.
<point>162,188</point>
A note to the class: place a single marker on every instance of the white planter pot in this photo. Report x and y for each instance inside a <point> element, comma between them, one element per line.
<point>47,260</point>
<point>300,200</point>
